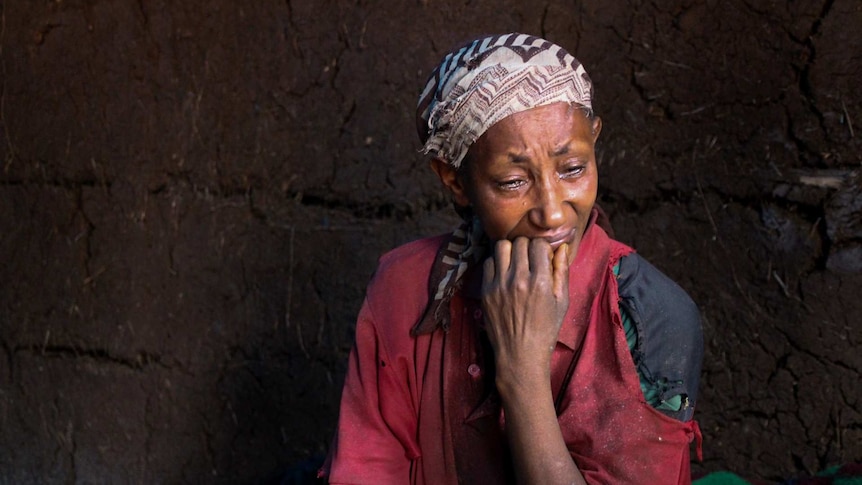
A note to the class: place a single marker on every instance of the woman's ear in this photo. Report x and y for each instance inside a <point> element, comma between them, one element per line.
<point>452,180</point>
<point>597,128</point>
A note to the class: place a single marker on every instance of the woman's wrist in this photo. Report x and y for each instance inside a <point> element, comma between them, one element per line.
<point>523,381</point>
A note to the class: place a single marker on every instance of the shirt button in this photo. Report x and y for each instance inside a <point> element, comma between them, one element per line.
<point>477,314</point>
<point>474,370</point>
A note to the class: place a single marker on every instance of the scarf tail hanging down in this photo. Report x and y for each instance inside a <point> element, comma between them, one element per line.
<point>461,251</point>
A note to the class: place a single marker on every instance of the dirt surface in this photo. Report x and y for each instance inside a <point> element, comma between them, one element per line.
<point>194,194</point>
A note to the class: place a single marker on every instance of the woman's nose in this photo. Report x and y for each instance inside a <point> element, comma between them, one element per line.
<point>549,199</point>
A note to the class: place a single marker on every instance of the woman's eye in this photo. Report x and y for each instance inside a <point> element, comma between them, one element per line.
<point>572,171</point>
<point>510,184</point>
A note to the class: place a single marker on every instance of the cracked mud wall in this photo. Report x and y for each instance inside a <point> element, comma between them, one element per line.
<point>193,196</point>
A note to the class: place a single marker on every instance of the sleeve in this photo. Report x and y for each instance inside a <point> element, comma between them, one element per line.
<point>669,349</point>
<point>372,444</point>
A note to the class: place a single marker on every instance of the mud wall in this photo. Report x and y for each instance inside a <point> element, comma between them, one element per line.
<point>194,194</point>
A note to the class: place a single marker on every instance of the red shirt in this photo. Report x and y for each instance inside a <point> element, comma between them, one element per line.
<point>424,410</point>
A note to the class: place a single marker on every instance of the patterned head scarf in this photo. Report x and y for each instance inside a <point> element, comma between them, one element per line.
<point>489,79</point>
<point>473,88</point>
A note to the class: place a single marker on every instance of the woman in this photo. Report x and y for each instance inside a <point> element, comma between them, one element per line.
<point>528,345</point>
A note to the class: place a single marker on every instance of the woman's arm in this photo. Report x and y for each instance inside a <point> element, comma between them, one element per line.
<point>525,296</point>
<point>365,449</point>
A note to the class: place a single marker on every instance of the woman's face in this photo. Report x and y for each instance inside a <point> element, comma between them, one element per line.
<point>532,174</point>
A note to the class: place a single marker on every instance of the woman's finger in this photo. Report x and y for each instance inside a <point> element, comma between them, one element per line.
<point>488,273</point>
<point>561,272</point>
<point>502,256</point>
<point>540,257</point>
<point>520,264</point>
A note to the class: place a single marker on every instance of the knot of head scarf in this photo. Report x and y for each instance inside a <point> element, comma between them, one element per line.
<point>473,88</point>
<point>489,79</point>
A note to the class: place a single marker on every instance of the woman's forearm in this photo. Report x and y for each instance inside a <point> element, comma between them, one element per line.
<point>539,452</point>
<point>525,296</point>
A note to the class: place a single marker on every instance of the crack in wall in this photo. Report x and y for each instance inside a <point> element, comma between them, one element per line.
<point>57,182</point>
<point>139,362</point>
<point>806,89</point>
<point>399,211</point>
<point>543,21</point>
<point>10,146</point>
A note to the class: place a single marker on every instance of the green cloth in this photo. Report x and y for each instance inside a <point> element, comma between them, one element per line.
<point>721,478</point>
<point>842,475</point>
<point>847,474</point>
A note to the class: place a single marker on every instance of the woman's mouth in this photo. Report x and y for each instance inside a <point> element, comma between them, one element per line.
<point>556,240</point>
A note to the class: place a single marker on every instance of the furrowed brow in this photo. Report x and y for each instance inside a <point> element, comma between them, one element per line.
<point>518,158</point>
<point>562,150</point>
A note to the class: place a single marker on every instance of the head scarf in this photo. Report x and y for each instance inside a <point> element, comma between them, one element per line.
<point>473,88</point>
<point>489,79</point>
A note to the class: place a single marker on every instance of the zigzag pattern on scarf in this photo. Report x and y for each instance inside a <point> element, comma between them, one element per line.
<point>489,79</point>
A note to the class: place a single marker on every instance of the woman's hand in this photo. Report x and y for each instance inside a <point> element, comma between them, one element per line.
<point>525,297</point>
<point>525,293</point>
